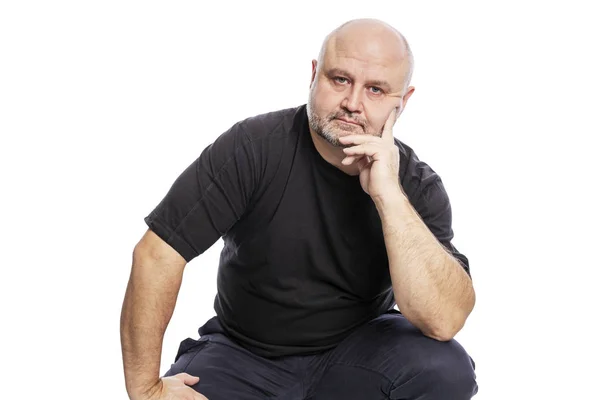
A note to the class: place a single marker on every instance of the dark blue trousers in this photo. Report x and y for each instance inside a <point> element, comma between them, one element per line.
<point>387,358</point>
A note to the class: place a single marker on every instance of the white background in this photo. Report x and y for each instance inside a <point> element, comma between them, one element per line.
<point>103,104</point>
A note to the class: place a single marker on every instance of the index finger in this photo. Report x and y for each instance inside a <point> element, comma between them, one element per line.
<point>387,134</point>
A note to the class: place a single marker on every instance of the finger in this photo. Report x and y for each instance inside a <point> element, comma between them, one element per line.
<point>388,134</point>
<point>349,160</point>
<point>366,149</point>
<point>398,95</point>
<point>187,378</point>
<point>358,139</point>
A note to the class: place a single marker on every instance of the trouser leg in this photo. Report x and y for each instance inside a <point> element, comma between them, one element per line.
<point>388,358</point>
<point>228,371</point>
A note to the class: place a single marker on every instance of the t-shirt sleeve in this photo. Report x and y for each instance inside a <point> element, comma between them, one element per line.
<point>208,197</point>
<point>435,210</point>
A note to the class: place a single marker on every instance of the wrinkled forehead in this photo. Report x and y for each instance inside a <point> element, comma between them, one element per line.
<point>367,59</point>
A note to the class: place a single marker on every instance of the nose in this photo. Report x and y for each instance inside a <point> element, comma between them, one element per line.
<point>353,100</point>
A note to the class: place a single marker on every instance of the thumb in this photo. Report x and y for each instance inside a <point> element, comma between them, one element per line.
<point>187,378</point>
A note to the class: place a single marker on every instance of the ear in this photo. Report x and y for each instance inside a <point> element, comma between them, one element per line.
<point>314,72</point>
<point>409,92</point>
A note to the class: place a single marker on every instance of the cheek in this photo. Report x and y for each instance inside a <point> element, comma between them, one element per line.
<point>326,100</point>
<point>376,120</point>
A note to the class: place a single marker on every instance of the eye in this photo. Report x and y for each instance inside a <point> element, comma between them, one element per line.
<point>340,80</point>
<point>375,90</point>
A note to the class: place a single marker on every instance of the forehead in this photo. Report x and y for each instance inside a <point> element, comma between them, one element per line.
<point>368,59</point>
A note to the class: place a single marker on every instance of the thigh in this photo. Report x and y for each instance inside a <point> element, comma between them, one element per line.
<point>389,358</point>
<point>228,371</point>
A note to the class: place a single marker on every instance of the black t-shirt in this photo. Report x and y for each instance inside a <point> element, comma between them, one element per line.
<point>304,260</point>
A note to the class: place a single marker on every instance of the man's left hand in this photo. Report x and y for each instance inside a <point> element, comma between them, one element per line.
<point>377,158</point>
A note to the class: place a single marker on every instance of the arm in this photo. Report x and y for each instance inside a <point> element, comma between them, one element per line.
<point>205,200</point>
<point>431,288</point>
<point>149,302</point>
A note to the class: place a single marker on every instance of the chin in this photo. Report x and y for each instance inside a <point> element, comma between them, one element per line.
<point>330,137</point>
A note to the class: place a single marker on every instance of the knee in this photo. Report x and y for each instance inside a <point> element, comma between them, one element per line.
<point>444,370</point>
<point>453,371</point>
<point>412,362</point>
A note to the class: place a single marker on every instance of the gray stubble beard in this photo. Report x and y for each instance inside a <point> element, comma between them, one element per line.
<point>319,125</point>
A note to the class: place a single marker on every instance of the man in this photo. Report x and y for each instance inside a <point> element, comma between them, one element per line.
<point>327,222</point>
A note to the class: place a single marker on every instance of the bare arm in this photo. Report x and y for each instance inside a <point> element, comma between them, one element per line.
<point>149,302</point>
<point>430,286</point>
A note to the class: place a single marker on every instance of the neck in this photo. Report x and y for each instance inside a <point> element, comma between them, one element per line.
<point>332,154</point>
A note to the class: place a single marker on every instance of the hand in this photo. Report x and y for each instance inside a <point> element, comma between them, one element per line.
<point>174,388</point>
<point>377,158</point>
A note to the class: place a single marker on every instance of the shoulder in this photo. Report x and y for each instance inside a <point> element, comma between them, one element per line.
<point>273,124</point>
<point>255,135</point>
<point>426,192</point>
<point>415,174</point>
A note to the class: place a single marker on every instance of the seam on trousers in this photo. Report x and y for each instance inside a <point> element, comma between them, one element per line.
<point>394,387</point>
<point>363,368</point>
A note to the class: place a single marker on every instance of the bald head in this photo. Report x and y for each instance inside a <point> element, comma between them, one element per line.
<point>370,38</point>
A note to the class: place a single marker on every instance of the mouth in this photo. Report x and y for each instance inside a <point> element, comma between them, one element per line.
<point>348,121</point>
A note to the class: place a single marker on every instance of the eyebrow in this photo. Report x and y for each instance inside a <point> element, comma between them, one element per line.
<point>337,71</point>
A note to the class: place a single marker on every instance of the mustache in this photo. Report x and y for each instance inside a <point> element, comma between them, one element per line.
<point>348,117</point>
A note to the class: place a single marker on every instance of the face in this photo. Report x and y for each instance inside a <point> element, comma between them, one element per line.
<point>354,90</point>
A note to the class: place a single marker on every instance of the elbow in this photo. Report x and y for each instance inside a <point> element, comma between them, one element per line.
<point>444,325</point>
<point>436,327</point>
<point>444,331</point>
<point>441,335</point>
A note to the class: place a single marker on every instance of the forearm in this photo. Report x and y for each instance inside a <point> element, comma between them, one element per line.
<point>147,309</point>
<point>430,286</point>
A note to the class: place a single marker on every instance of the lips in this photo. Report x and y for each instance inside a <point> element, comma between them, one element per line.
<point>348,121</point>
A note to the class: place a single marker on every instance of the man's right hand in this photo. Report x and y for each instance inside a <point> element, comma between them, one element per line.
<point>173,388</point>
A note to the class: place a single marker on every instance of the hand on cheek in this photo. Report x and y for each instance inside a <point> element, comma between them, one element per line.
<point>377,158</point>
